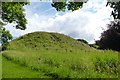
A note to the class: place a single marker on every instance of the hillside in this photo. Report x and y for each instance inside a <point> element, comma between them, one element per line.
<point>47,41</point>
<point>58,56</point>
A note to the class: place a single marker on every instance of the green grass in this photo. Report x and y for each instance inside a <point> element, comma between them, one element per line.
<point>80,65</point>
<point>13,70</point>
<point>59,56</point>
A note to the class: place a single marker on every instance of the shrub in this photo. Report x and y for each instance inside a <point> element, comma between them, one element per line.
<point>82,40</point>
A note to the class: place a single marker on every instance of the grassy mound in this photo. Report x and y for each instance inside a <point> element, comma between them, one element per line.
<point>48,41</point>
<point>60,56</point>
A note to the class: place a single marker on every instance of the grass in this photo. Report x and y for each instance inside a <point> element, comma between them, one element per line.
<point>80,65</point>
<point>13,70</point>
<point>59,56</point>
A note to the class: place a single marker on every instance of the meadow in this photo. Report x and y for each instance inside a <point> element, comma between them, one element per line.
<point>53,55</point>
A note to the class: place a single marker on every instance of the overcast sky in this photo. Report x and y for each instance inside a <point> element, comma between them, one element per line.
<point>86,23</point>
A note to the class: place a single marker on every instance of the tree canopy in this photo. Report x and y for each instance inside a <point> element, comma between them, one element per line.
<point>14,12</point>
<point>73,5</point>
<point>5,37</point>
<point>116,9</point>
<point>110,39</point>
<point>69,5</point>
<point>11,12</point>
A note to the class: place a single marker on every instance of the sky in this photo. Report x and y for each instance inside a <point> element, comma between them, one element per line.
<point>86,23</point>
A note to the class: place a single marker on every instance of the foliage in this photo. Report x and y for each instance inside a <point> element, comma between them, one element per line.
<point>82,40</point>
<point>94,45</point>
<point>14,12</point>
<point>5,37</point>
<point>74,5</point>
<point>11,12</point>
<point>110,39</point>
<point>62,5</point>
<point>70,5</point>
<point>116,9</point>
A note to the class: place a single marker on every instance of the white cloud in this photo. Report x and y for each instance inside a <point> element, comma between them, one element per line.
<point>85,23</point>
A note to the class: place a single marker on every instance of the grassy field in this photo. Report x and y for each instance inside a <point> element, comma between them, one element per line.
<point>55,55</point>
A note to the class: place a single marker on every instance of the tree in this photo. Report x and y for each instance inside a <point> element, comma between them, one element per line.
<point>5,37</point>
<point>116,9</point>
<point>110,39</point>
<point>62,5</point>
<point>12,12</point>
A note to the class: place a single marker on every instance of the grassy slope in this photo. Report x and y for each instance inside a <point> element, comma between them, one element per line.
<point>57,55</point>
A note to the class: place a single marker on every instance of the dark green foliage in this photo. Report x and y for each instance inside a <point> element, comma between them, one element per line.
<point>110,39</point>
<point>60,6</point>
<point>116,9</point>
<point>11,12</point>
<point>14,12</point>
<point>71,5</point>
<point>82,40</point>
<point>74,5</point>
<point>94,45</point>
<point>5,37</point>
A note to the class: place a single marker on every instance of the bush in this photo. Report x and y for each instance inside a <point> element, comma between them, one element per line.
<point>82,40</point>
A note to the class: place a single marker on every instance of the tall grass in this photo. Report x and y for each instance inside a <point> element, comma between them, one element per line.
<point>12,70</point>
<point>102,64</point>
